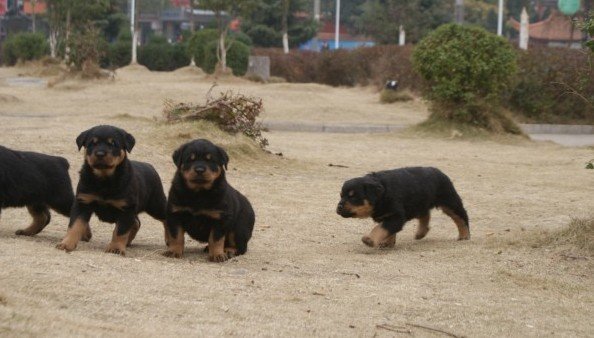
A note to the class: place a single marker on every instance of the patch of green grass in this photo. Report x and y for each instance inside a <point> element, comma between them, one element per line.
<point>391,96</point>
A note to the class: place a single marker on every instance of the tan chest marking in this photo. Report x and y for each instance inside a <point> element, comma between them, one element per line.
<point>90,198</point>
<point>210,213</point>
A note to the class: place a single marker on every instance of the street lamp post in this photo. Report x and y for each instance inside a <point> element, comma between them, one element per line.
<point>500,19</point>
<point>337,33</point>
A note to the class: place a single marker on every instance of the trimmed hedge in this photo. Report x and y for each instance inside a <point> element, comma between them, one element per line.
<point>24,47</point>
<point>237,57</point>
<point>362,66</point>
<point>553,85</point>
<point>539,92</point>
<point>160,55</point>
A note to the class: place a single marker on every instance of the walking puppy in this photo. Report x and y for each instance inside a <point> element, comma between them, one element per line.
<point>37,181</point>
<point>114,188</point>
<point>204,205</point>
<point>393,197</point>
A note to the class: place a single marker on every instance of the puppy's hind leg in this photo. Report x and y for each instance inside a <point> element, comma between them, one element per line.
<point>423,227</point>
<point>41,218</point>
<point>458,214</point>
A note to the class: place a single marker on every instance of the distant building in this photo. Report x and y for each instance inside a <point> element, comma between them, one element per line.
<point>556,30</point>
<point>170,22</point>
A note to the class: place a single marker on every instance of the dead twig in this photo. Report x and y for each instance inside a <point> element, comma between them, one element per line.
<point>399,329</point>
<point>337,165</point>
<point>434,329</point>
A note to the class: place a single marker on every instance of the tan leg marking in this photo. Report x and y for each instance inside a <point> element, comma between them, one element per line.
<point>133,232</point>
<point>463,231</point>
<point>423,227</point>
<point>376,236</point>
<point>230,245</point>
<point>175,245</point>
<point>118,243</point>
<point>38,223</point>
<point>216,249</point>
<point>389,242</point>
<point>87,235</point>
<point>73,236</point>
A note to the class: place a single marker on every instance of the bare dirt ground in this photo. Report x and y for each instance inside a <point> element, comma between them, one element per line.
<point>306,272</point>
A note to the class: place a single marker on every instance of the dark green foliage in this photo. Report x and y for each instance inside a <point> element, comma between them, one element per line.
<point>87,46</point>
<point>555,85</point>
<point>381,19</point>
<point>264,25</point>
<point>120,52</point>
<point>160,55</point>
<point>466,69</point>
<point>264,36</point>
<point>24,47</point>
<point>197,44</point>
<point>237,57</point>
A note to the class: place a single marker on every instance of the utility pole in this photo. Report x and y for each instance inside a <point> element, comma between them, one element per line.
<point>459,11</point>
<point>500,19</point>
<point>133,29</point>
<point>317,20</point>
<point>337,33</point>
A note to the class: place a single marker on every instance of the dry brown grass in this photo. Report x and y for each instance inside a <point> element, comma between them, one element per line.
<point>306,272</point>
<point>391,96</point>
<point>577,236</point>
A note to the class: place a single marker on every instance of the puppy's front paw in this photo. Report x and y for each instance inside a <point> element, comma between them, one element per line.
<point>173,254</point>
<point>368,241</point>
<point>66,246</point>
<point>218,258</point>
<point>115,248</point>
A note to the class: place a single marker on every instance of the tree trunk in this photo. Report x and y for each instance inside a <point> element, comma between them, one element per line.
<point>33,3</point>
<point>285,27</point>
<point>223,51</point>
<point>67,37</point>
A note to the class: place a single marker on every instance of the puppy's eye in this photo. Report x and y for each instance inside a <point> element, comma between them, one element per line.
<point>208,157</point>
<point>192,157</point>
<point>351,193</point>
<point>111,142</point>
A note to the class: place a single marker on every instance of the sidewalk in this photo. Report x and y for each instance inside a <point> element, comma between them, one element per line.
<point>567,135</point>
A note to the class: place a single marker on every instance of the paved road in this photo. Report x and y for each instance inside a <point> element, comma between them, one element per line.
<point>579,140</point>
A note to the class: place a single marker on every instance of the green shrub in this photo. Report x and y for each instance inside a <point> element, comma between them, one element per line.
<point>466,70</point>
<point>87,46</point>
<point>264,36</point>
<point>160,55</point>
<point>197,44</point>
<point>237,57</point>
<point>24,47</point>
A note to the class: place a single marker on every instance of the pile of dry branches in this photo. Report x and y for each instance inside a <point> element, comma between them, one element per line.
<point>233,113</point>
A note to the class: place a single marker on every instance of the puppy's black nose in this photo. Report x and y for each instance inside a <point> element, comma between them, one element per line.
<point>339,208</point>
<point>100,153</point>
<point>199,170</point>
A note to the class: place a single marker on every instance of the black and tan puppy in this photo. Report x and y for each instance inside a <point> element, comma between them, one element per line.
<point>393,197</point>
<point>37,181</point>
<point>114,188</point>
<point>203,205</point>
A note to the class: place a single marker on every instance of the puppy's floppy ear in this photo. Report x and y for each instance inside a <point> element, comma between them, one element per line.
<point>177,155</point>
<point>81,140</point>
<point>374,190</point>
<point>129,142</point>
<point>224,157</point>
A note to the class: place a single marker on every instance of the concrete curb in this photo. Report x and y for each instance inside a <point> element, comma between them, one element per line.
<point>313,127</point>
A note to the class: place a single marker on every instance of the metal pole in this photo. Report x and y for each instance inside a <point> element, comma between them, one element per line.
<point>317,20</point>
<point>337,32</point>
<point>133,30</point>
<point>500,19</point>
